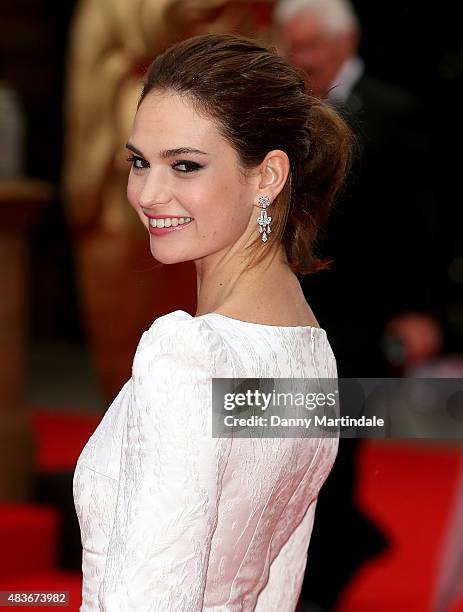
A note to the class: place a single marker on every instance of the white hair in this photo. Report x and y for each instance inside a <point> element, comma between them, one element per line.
<point>338,15</point>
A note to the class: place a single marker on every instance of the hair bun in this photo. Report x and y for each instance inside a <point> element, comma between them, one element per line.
<point>262,103</point>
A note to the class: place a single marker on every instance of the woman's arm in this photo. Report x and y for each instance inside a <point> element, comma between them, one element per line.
<point>171,473</point>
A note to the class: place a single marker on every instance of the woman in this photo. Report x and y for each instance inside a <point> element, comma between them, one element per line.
<point>172,519</point>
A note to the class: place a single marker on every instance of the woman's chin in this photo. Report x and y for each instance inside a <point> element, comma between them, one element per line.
<point>167,257</point>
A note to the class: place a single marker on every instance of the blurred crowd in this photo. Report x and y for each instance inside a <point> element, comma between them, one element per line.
<point>391,301</point>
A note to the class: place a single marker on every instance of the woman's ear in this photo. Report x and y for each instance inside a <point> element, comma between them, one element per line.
<point>274,171</point>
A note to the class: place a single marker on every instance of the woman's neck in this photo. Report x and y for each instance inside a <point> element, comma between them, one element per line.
<point>227,285</point>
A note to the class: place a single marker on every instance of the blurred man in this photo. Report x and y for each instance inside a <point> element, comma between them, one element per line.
<point>378,232</point>
<point>377,238</point>
<point>321,37</point>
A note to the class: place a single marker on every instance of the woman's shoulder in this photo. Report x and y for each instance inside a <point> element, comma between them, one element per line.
<point>181,327</point>
<point>184,341</point>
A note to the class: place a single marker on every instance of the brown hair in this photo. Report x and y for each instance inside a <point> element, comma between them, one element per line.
<point>261,103</point>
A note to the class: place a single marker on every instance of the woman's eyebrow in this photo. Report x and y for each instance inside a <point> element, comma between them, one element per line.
<point>180,151</point>
<point>134,149</point>
<point>168,152</point>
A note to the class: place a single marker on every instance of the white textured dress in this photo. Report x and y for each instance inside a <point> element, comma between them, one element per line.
<point>174,520</point>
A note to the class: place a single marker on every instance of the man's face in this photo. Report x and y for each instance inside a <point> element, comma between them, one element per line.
<point>308,44</point>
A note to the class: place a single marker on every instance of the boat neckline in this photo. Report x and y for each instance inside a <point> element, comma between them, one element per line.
<point>265,325</point>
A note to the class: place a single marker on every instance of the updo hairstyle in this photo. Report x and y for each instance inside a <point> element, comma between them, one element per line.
<point>260,102</point>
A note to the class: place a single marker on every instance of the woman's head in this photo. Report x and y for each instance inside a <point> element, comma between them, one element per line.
<point>259,132</point>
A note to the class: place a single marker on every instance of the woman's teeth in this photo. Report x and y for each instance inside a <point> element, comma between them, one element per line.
<point>168,221</point>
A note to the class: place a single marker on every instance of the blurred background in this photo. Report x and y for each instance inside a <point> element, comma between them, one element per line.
<point>78,285</point>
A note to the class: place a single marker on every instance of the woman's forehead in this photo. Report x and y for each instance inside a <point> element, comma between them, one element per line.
<point>167,109</point>
<point>169,120</point>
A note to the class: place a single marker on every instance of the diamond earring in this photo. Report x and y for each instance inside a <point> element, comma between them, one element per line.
<point>263,219</point>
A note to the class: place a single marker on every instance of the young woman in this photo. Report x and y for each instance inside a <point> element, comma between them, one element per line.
<point>234,166</point>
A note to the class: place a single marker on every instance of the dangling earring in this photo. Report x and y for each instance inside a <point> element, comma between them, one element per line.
<point>263,219</point>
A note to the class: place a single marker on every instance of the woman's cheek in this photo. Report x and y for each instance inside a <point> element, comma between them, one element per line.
<point>239,220</point>
<point>132,194</point>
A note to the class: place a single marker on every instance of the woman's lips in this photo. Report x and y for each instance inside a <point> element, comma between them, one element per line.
<point>161,231</point>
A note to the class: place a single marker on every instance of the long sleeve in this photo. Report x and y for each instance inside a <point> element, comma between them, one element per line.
<point>171,473</point>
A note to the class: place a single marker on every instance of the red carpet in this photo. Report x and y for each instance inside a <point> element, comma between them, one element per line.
<point>407,490</point>
<point>61,436</point>
<point>28,533</point>
<point>405,487</point>
<point>46,581</point>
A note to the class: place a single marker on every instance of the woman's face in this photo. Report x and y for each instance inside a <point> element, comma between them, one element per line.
<point>182,167</point>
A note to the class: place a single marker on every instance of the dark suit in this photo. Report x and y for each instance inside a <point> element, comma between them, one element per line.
<point>378,235</point>
<point>378,232</point>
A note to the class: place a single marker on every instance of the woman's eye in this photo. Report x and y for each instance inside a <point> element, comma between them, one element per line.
<point>137,162</point>
<point>183,166</point>
<point>186,166</point>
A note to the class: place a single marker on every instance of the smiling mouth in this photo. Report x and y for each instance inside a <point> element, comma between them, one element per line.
<point>169,221</point>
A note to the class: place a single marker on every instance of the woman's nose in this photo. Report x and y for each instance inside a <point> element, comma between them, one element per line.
<point>154,192</point>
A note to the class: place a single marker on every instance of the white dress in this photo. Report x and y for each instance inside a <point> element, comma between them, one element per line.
<point>174,520</point>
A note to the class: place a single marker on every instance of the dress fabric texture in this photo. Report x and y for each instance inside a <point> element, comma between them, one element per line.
<point>174,520</point>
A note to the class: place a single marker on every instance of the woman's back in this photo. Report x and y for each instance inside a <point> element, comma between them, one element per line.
<point>190,522</point>
<point>270,485</point>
